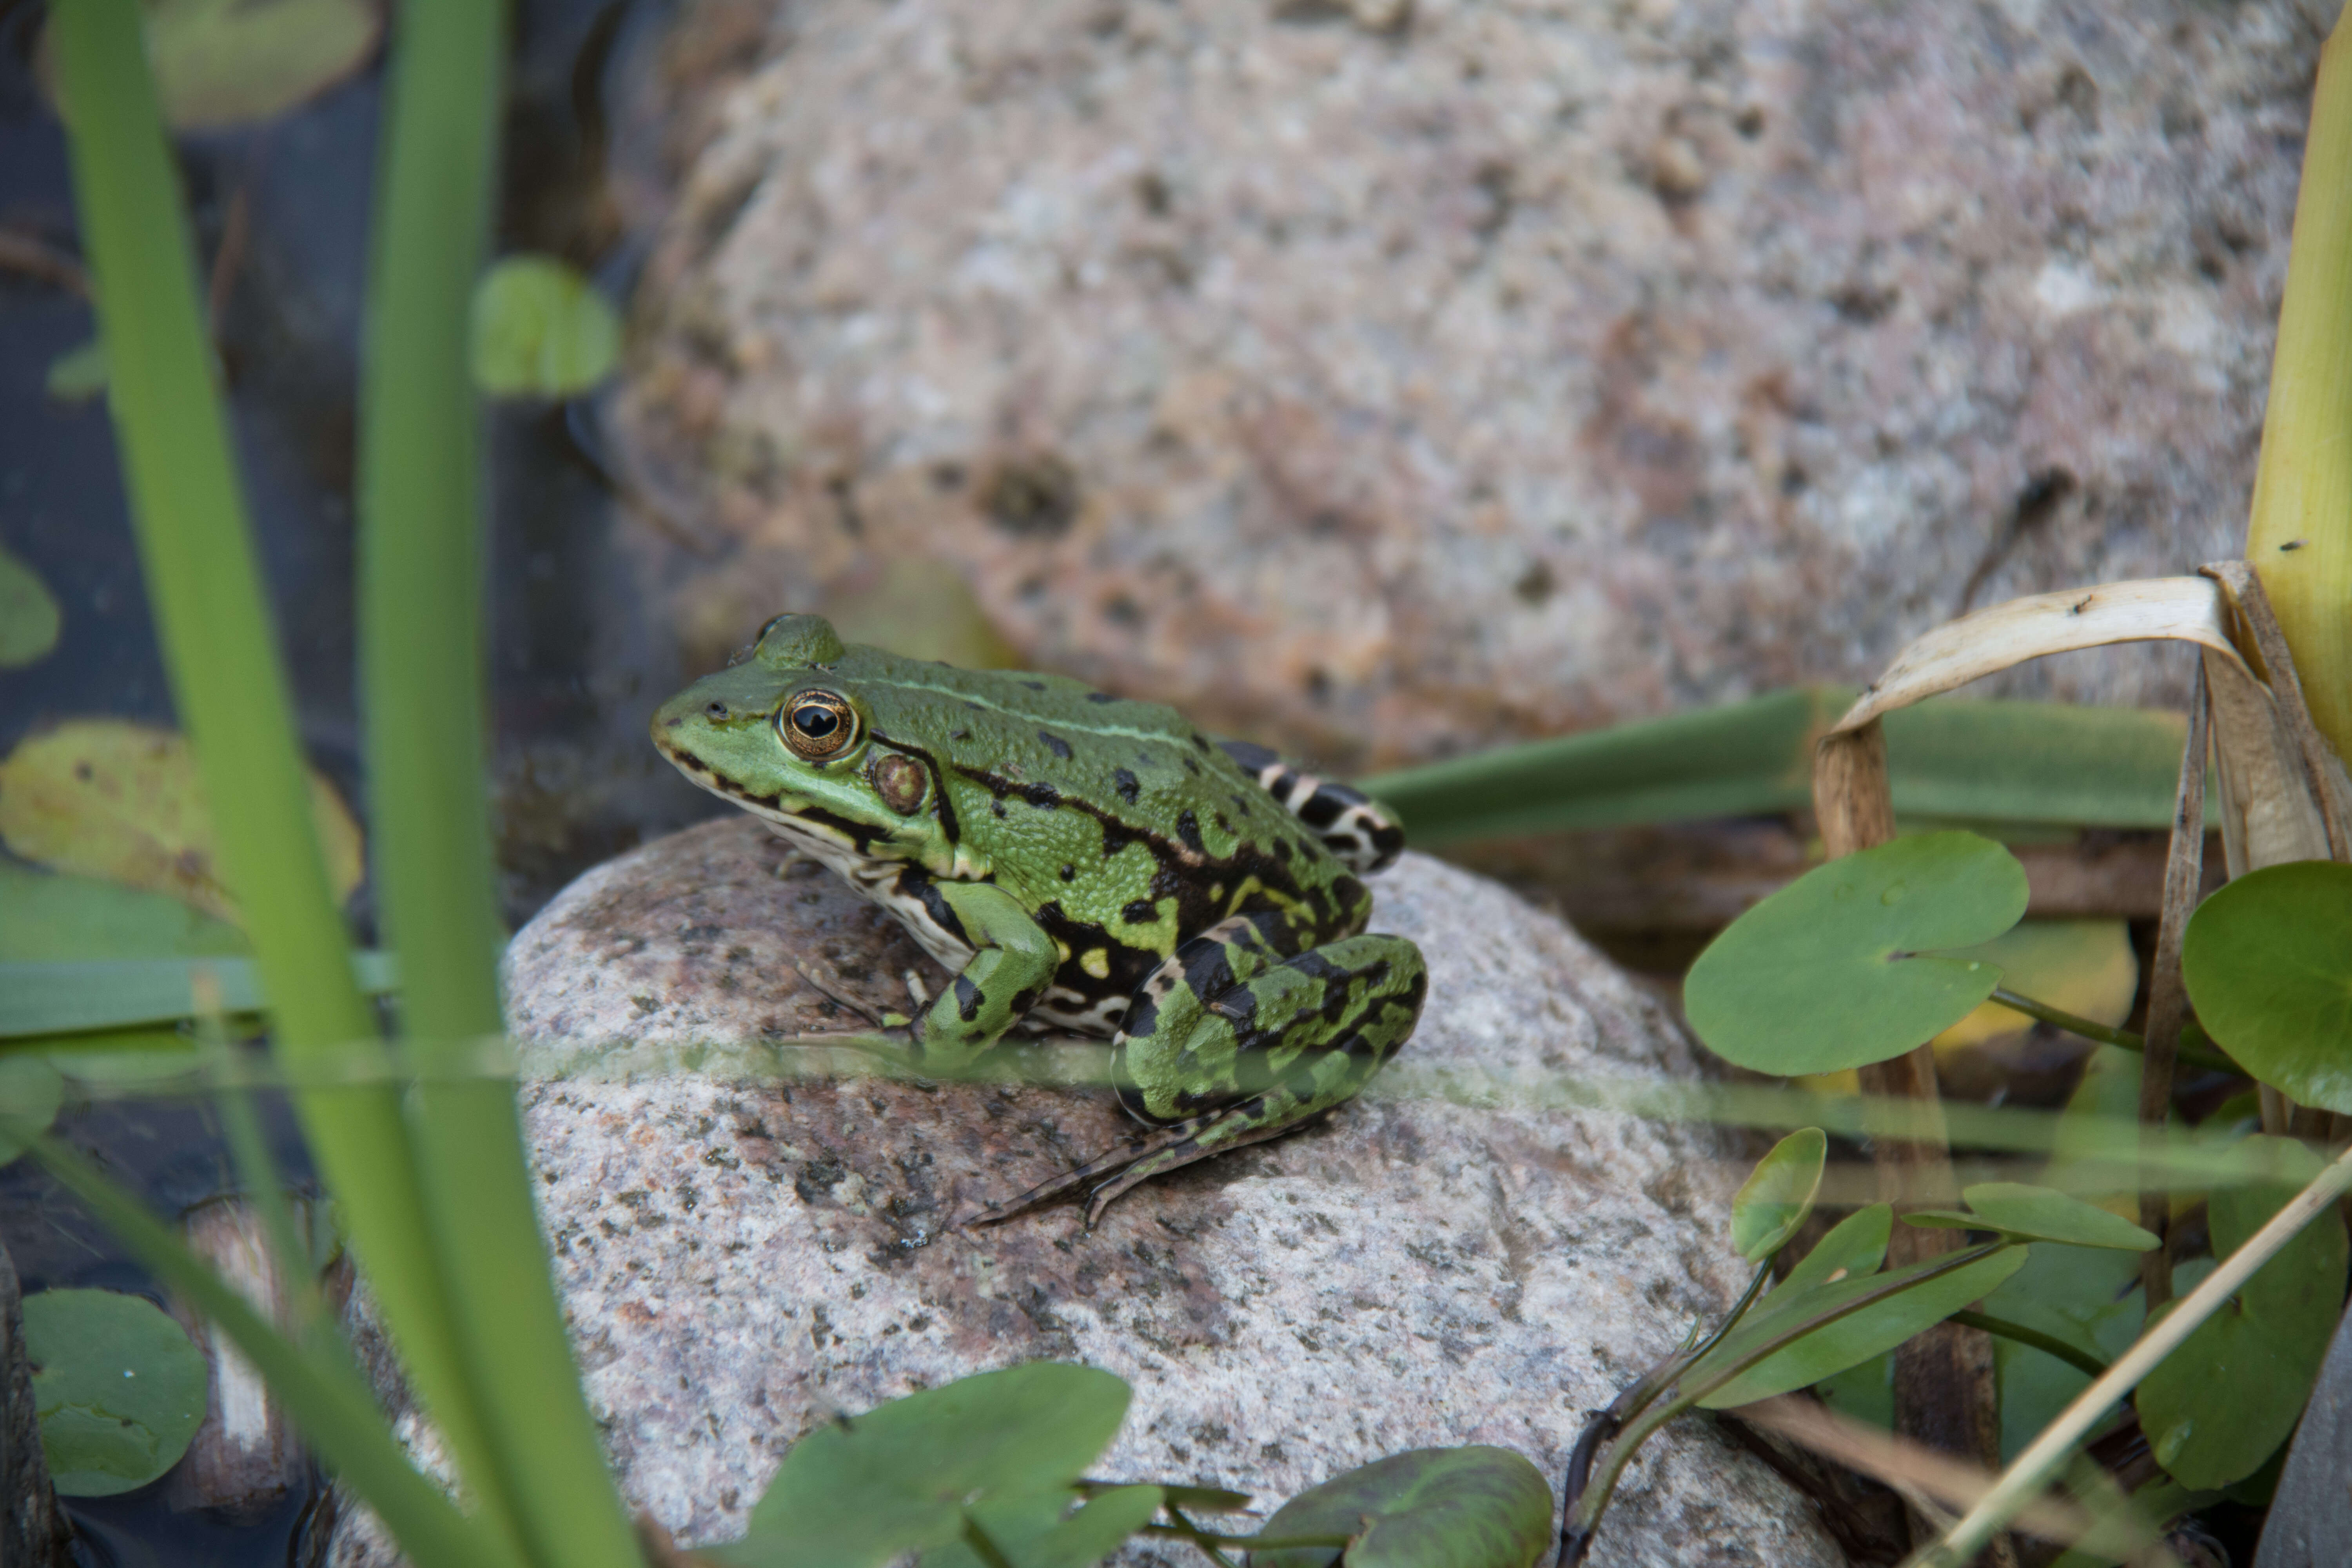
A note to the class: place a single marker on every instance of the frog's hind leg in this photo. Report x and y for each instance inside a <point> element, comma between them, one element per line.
<point>1350,824</point>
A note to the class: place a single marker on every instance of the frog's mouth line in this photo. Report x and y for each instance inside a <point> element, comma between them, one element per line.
<point>831,838</point>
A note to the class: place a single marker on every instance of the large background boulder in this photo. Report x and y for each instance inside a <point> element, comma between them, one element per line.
<point>742,1259</point>
<point>1385,378</point>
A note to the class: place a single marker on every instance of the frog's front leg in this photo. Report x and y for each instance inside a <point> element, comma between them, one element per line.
<point>1012,961</point>
<point>1231,1042</point>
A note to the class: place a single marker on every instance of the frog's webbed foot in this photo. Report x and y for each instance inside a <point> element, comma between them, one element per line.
<point>1254,1121</point>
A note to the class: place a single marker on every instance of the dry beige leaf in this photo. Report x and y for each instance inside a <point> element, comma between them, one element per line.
<point>2185,609</point>
<point>122,802</point>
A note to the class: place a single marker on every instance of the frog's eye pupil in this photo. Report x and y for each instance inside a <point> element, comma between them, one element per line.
<point>818,725</point>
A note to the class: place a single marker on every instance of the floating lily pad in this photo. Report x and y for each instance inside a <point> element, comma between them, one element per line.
<point>2217,1407</point>
<point>1849,1341</point>
<point>1474,1507</point>
<point>869,1488</point>
<point>2264,960</point>
<point>1836,970</point>
<point>540,330</point>
<point>122,802</point>
<point>229,62</point>
<point>1778,1195</point>
<point>29,616</point>
<point>48,919</point>
<point>119,1388</point>
<point>2036,1213</point>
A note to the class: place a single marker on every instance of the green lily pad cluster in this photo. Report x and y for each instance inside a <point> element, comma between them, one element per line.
<point>118,1387</point>
<point>991,1472</point>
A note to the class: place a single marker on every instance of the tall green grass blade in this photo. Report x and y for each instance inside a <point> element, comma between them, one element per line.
<point>219,645</point>
<point>422,669</point>
<point>321,1391</point>
<point>123,992</point>
<point>2038,763</point>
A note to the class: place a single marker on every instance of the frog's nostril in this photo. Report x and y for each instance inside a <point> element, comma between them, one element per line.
<point>715,710</point>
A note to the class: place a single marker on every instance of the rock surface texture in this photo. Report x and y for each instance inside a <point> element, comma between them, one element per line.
<point>1394,377</point>
<point>740,1260</point>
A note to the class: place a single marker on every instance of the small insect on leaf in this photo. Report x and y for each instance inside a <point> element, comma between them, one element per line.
<point>1838,969</point>
<point>1429,1508</point>
<point>2266,961</point>
<point>1778,1195</point>
<point>540,330</point>
<point>119,1388</point>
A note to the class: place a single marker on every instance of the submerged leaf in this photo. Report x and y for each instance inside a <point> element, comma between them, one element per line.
<point>29,616</point>
<point>30,1093</point>
<point>1834,971</point>
<point>119,1388</point>
<point>225,62</point>
<point>869,1488</point>
<point>1779,1193</point>
<point>540,330</point>
<point>2268,963</point>
<point>78,374</point>
<point>1473,1507</point>
<point>106,798</point>
<point>2217,1407</point>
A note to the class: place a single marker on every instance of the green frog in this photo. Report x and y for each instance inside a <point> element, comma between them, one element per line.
<point>1079,863</point>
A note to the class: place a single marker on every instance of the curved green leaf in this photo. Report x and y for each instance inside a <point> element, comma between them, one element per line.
<point>119,1388</point>
<point>866,1489</point>
<point>2268,962</point>
<point>1836,970</point>
<point>1428,1508</point>
<point>1029,1531</point>
<point>2036,1213</point>
<point>540,330</point>
<point>2217,1407</point>
<point>1779,1193</point>
<point>1850,1340</point>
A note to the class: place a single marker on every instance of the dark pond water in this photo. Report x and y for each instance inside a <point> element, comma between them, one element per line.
<point>281,214</point>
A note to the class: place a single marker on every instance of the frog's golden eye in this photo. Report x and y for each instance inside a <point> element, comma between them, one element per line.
<point>817,724</point>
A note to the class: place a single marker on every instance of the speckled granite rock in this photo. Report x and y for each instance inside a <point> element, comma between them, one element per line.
<point>739,1259</point>
<point>1391,379</point>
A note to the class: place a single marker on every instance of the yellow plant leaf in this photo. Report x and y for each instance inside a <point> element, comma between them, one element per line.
<point>2083,967</point>
<point>122,802</point>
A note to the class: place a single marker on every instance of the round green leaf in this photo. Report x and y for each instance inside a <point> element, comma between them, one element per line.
<point>1836,970</point>
<point>540,330</point>
<point>119,1388</point>
<point>2037,1213</point>
<point>29,616</point>
<point>1849,1341</point>
<point>2268,962</point>
<point>30,1092</point>
<point>1429,1508</point>
<point>225,62</point>
<point>1778,1195</point>
<point>866,1489</point>
<point>2216,1408</point>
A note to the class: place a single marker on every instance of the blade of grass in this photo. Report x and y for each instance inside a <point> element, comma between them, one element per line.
<point>2037,762</point>
<point>219,644</point>
<point>2031,1473</point>
<point>421,612</point>
<point>326,1397</point>
<point>122,992</point>
<point>2299,535</point>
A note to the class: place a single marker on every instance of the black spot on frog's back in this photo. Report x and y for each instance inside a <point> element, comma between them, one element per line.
<point>1187,829</point>
<point>1126,784</point>
<point>1056,744</point>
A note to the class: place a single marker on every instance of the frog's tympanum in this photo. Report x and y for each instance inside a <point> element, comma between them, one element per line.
<point>1082,863</point>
